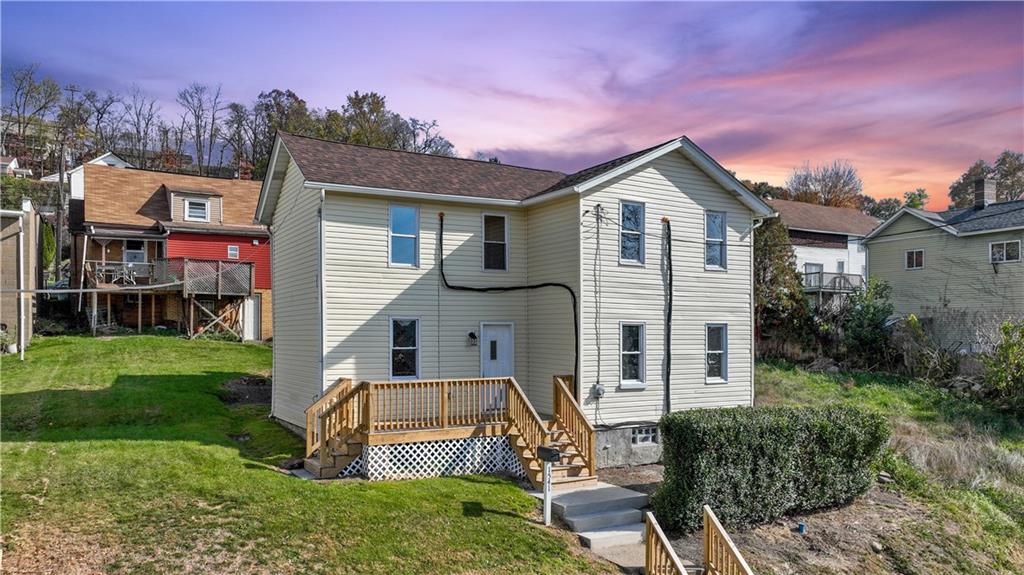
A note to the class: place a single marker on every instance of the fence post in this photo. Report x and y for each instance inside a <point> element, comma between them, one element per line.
<point>220,276</point>
<point>370,408</point>
<point>444,403</point>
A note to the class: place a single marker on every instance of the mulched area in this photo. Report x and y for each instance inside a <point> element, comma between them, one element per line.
<point>251,389</point>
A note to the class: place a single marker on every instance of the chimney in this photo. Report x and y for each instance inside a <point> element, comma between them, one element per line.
<point>984,192</point>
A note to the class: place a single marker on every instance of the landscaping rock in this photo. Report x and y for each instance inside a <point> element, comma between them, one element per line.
<point>823,365</point>
<point>876,546</point>
<point>884,477</point>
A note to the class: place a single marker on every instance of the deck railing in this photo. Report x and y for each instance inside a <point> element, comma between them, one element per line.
<point>659,557</point>
<point>190,276</point>
<point>315,411</point>
<point>118,273</point>
<point>580,431</point>
<point>824,281</point>
<point>721,557</point>
<point>523,416</point>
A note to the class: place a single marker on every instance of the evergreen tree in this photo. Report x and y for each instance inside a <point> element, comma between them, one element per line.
<point>780,306</point>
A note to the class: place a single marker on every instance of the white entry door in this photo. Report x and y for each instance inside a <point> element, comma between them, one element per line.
<point>497,351</point>
<point>251,318</point>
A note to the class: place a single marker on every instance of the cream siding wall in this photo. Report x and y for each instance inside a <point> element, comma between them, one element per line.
<point>296,295</point>
<point>178,206</point>
<point>612,293</point>
<point>553,255</point>
<point>957,283</point>
<point>363,291</point>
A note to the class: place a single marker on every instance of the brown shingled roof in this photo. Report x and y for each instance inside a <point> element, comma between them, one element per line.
<point>336,163</point>
<point>815,217</point>
<point>130,196</point>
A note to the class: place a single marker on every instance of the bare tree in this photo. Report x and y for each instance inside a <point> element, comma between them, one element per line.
<point>141,112</point>
<point>216,106</point>
<point>30,101</point>
<point>194,99</point>
<point>107,122</point>
<point>836,184</point>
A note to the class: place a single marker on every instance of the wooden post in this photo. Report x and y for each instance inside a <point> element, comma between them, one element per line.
<point>444,403</point>
<point>184,277</point>
<point>94,303</point>
<point>138,326</point>
<point>220,276</point>
<point>370,407</point>
<point>152,310</point>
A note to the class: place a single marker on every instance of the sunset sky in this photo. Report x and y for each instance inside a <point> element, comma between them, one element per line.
<point>911,93</point>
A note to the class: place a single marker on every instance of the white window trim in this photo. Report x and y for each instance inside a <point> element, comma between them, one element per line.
<point>1019,255</point>
<point>206,206</point>
<point>235,257</point>
<point>483,241</point>
<point>908,268</point>
<point>391,347</point>
<point>643,234</point>
<point>483,352</point>
<point>724,352</point>
<point>634,383</point>
<point>724,240</point>
<point>392,234</point>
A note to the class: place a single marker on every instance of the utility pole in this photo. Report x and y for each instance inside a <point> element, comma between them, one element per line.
<point>65,124</point>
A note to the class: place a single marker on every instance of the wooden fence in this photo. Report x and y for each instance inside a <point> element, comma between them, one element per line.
<point>721,557</point>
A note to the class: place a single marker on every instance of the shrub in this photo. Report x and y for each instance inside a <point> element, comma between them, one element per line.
<point>864,327</point>
<point>1005,367</point>
<point>755,464</point>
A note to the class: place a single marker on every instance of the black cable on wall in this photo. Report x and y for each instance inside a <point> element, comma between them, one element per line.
<point>667,239</point>
<point>504,289</point>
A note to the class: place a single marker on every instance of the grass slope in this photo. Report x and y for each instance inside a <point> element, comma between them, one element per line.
<point>962,459</point>
<point>117,458</point>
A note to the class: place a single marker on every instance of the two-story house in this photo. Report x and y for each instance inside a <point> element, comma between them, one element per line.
<point>172,250</point>
<point>448,295</point>
<point>829,246</point>
<point>959,270</point>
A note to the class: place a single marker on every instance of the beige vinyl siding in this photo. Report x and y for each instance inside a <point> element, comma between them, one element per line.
<point>363,291</point>
<point>612,293</point>
<point>296,293</point>
<point>553,256</point>
<point>178,206</point>
<point>957,277</point>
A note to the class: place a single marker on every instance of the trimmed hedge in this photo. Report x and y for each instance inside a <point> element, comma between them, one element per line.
<point>753,465</point>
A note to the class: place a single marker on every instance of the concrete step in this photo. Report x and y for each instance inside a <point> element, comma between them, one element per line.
<point>602,519</point>
<point>613,536</point>
<point>601,497</point>
<point>629,558</point>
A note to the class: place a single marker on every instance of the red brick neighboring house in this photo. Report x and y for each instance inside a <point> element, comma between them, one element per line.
<point>189,237</point>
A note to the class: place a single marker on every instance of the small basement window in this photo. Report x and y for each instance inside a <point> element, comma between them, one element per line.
<point>1004,252</point>
<point>233,252</point>
<point>645,435</point>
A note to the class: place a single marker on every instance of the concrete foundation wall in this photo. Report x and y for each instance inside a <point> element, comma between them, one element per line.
<point>615,448</point>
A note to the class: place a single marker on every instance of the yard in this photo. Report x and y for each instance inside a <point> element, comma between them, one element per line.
<point>119,455</point>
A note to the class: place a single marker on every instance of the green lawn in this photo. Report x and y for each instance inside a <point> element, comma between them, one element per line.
<point>961,459</point>
<point>116,457</point>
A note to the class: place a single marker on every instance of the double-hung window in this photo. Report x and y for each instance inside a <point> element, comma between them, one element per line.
<point>1004,252</point>
<point>631,352</point>
<point>717,351</point>
<point>197,210</point>
<point>404,233</point>
<point>914,259</point>
<point>232,252</point>
<point>405,348</point>
<point>715,256</point>
<point>631,233</point>
<point>495,242</point>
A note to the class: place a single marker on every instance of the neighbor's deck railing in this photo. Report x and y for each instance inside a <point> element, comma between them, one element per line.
<point>826,281</point>
<point>580,431</point>
<point>721,557</point>
<point>190,276</point>
<point>420,405</point>
<point>659,557</point>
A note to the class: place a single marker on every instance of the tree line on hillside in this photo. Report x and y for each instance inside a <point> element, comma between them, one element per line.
<point>45,123</point>
<point>838,184</point>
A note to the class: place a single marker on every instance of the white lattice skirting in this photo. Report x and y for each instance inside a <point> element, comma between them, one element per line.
<point>483,455</point>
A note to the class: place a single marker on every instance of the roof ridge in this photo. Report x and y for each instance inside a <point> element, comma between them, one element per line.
<point>325,140</point>
<point>156,171</point>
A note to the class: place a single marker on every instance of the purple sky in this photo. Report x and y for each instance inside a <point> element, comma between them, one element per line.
<point>911,93</point>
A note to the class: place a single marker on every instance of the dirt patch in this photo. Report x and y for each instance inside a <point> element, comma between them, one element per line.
<point>642,478</point>
<point>36,548</point>
<point>251,389</point>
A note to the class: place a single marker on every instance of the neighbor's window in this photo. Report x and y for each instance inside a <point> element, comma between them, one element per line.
<point>714,241</point>
<point>631,236</point>
<point>197,210</point>
<point>233,252</point>
<point>405,232</point>
<point>405,340</point>
<point>1003,252</point>
<point>915,259</point>
<point>134,251</point>
<point>495,242</point>
<point>717,346</point>
<point>632,353</point>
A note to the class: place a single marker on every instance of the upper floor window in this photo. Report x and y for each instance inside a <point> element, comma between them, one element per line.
<point>914,259</point>
<point>1003,252</point>
<point>495,242</point>
<point>841,267</point>
<point>232,252</point>
<point>717,351</point>
<point>714,241</point>
<point>631,236</point>
<point>405,347</point>
<point>197,210</point>
<point>404,233</point>
<point>631,350</point>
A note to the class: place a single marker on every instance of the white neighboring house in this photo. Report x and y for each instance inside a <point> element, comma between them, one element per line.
<point>9,167</point>
<point>77,177</point>
<point>829,246</point>
<point>359,292</point>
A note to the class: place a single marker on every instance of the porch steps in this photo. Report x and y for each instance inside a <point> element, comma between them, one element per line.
<point>604,516</point>
<point>570,473</point>
<point>340,455</point>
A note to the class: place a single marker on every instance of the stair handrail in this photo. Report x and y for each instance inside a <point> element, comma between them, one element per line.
<point>576,425</point>
<point>524,417</point>
<point>342,418</point>
<point>329,396</point>
<point>659,557</point>
<point>721,557</point>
